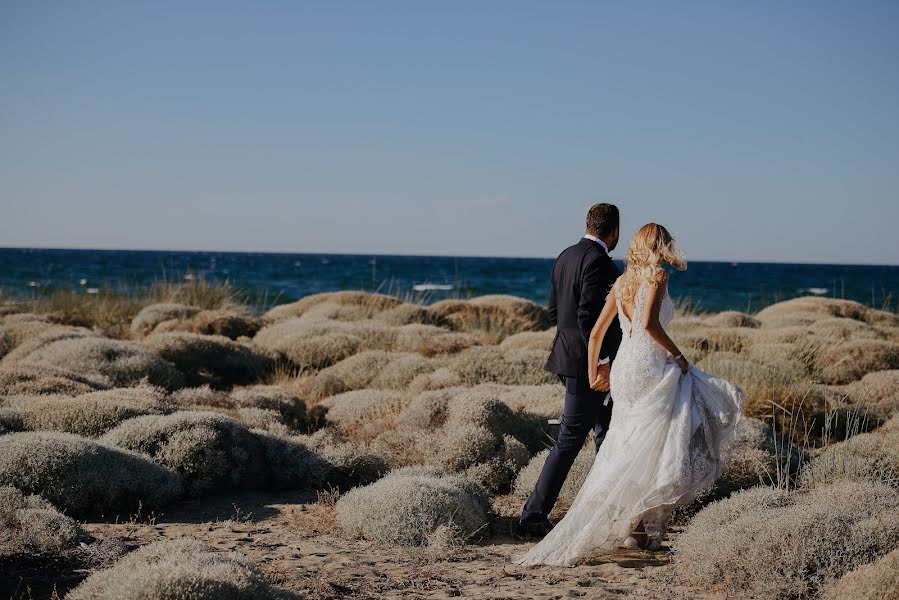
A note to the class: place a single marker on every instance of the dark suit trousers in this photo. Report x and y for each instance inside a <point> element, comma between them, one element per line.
<point>583,411</point>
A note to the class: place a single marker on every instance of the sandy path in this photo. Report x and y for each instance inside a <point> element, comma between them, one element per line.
<point>294,541</point>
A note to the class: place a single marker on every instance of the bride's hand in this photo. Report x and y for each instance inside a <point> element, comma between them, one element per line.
<point>600,383</point>
<point>682,363</point>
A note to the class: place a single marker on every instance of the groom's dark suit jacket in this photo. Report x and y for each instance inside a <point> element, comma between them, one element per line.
<point>582,276</point>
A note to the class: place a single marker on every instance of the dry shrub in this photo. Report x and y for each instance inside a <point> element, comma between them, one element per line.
<point>731,318</point>
<point>210,451</point>
<point>849,360</point>
<point>878,580</point>
<point>210,358</point>
<point>429,340</point>
<point>34,379</point>
<point>408,313</point>
<point>530,340</point>
<point>91,414</point>
<point>289,406</point>
<point>31,525</point>
<point>877,393</point>
<point>11,420</point>
<point>528,475</point>
<point>767,543</point>
<point>201,396</point>
<point>44,338</point>
<point>368,304</point>
<point>119,363</point>
<point>756,455</point>
<point>843,328</point>
<point>348,464</point>
<point>363,414</point>
<point>545,401</point>
<point>428,410</point>
<point>318,343</point>
<point>714,339</point>
<point>435,380</point>
<point>402,447</point>
<point>809,307</point>
<point>182,568</point>
<point>84,476</point>
<point>373,368</point>
<point>870,456</point>
<point>232,322</point>
<point>489,364</point>
<point>493,317</point>
<point>151,316</point>
<point>409,504</point>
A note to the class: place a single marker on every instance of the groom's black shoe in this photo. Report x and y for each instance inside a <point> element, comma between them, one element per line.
<point>532,529</point>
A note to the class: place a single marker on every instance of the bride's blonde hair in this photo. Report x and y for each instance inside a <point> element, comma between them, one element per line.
<point>651,246</point>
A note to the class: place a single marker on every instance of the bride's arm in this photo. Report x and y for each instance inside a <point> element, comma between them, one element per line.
<point>598,333</point>
<point>653,326</point>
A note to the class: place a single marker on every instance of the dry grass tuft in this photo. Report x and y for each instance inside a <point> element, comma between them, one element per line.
<point>119,363</point>
<point>43,338</point>
<point>31,525</point>
<point>878,580</point>
<point>373,368</point>
<point>91,414</point>
<point>408,313</point>
<point>210,358</point>
<point>435,380</point>
<point>731,318</point>
<point>849,360</point>
<point>877,393</point>
<point>767,543</point>
<point>407,506</point>
<point>363,414</point>
<point>182,568</point>
<point>231,322</point>
<point>84,476</point>
<point>289,406</point>
<point>311,344</point>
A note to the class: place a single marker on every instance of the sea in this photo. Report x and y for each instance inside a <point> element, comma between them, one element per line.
<point>262,280</point>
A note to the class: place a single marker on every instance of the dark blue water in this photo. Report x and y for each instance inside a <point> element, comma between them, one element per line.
<point>264,279</point>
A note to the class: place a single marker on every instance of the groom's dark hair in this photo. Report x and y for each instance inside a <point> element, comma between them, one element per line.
<point>602,219</point>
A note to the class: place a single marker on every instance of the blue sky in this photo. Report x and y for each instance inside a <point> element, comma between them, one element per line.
<point>755,131</point>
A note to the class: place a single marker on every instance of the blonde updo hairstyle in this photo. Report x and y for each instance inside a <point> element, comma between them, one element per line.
<point>650,247</point>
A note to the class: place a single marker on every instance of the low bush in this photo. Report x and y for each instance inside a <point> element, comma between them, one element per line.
<point>731,318</point>
<point>492,317</point>
<point>530,340</point>
<point>878,580</point>
<point>815,309</point>
<point>31,525</point>
<point>182,568</point>
<point>850,360</point>
<point>767,543</point>
<point>877,395</point>
<point>47,336</point>
<point>348,464</point>
<point>319,343</point>
<point>40,379</point>
<point>210,358</point>
<point>429,340</point>
<point>368,304</point>
<point>118,363</point>
<point>289,406</point>
<point>409,504</point>
<point>232,323</point>
<point>870,456</point>
<point>483,364</point>
<point>151,316</point>
<point>364,413</point>
<point>83,476</point>
<point>91,414</point>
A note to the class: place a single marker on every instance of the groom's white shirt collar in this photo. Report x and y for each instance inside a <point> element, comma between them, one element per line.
<point>599,241</point>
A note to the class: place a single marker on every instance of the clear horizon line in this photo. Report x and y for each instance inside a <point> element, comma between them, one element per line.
<point>427,255</point>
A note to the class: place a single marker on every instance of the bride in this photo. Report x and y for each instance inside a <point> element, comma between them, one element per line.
<point>669,425</point>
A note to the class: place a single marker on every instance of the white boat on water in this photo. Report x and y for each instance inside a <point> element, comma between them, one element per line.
<point>432,287</point>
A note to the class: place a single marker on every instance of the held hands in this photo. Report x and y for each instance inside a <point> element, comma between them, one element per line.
<point>600,382</point>
<point>682,363</point>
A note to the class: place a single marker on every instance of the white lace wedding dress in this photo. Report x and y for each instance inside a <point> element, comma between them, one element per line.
<point>663,446</point>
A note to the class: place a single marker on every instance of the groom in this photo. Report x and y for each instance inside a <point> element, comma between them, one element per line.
<point>581,278</point>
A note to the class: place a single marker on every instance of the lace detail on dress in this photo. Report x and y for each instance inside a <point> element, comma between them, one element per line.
<point>663,446</point>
